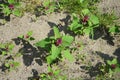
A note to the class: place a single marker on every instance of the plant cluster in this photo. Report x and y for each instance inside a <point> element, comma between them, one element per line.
<point>6,49</point>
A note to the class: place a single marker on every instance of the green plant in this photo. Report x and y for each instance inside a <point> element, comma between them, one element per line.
<point>77,6</point>
<point>85,24</point>
<point>57,46</point>
<point>11,65</point>
<point>27,37</point>
<point>6,48</point>
<point>47,7</point>
<point>111,67</point>
<point>11,7</point>
<point>52,75</point>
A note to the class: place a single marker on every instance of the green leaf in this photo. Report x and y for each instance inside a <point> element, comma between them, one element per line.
<point>81,1</point>
<point>11,46</point>
<point>87,31</point>
<point>56,32</point>
<point>66,54</point>
<point>4,52</point>
<point>117,69</point>
<point>49,69</point>
<point>85,11</point>
<point>7,65</point>
<point>6,11</point>
<point>75,25</point>
<point>46,3</point>
<point>43,43</point>
<point>67,40</point>
<point>75,17</point>
<point>11,1</point>
<point>30,33</point>
<point>16,64</point>
<point>49,59</point>
<point>114,29</point>
<point>56,72</point>
<point>55,51</point>
<point>94,19</point>
<point>21,36</point>
<point>16,12</point>
<point>114,61</point>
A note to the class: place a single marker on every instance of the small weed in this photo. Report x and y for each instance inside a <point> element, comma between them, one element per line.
<point>52,75</point>
<point>11,65</point>
<point>110,68</point>
<point>11,7</point>
<point>86,24</point>
<point>6,48</point>
<point>27,37</point>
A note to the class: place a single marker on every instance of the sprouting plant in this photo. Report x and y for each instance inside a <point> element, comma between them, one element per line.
<point>11,65</point>
<point>114,66</point>
<point>57,46</point>
<point>85,24</point>
<point>11,7</point>
<point>6,48</point>
<point>111,67</point>
<point>27,36</point>
<point>52,74</point>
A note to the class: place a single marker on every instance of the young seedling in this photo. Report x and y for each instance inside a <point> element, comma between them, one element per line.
<point>6,48</point>
<point>52,74</point>
<point>111,67</point>
<point>11,65</point>
<point>12,7</point>
<point>27,36</point>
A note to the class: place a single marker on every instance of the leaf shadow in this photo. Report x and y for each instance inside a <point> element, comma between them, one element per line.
<point>35,75</point>
<point>61,27</point>
<point>29,52</point>
<point>117,53</point>
<point>93,71</point>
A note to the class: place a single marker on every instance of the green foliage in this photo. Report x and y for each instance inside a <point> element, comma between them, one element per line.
<point>11,65</point>
<point>77,6</point>
<point>11,8</point>
<point>27,37</point>
<point>85,24</point>
<point>6,48</point>
<point>66,54</point>
<point>59,46</point>
<point>56,33</point>
<point>52,75</point>
<point>114,29</point>
<point>47,7</point>
<point>111,67</point>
